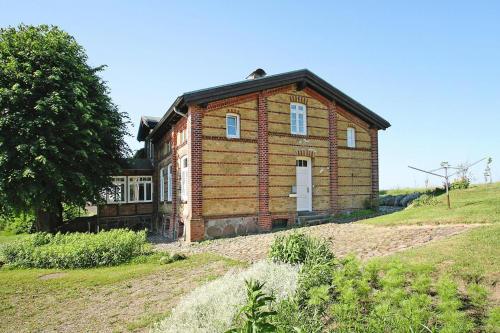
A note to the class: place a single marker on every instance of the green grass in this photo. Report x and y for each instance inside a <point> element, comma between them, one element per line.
<point>477,204</point>
<point>405,190</point>
<point>120,298</point>
<point>473,256</point>
<point>7,237</point>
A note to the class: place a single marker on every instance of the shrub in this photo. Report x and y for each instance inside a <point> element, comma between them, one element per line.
<point>298,248</point>
<point>424,200</point>
<point>254,315</point>
<point>460,184</point>
<point>17,224</point>
<point>213,307</point>
<point>167,258</point>
<point>493,321</point>
<point>76,250</point>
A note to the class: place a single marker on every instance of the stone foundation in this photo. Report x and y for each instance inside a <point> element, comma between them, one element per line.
<point>228,227</point>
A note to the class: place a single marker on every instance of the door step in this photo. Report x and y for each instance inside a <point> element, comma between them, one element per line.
<point>313,219</point>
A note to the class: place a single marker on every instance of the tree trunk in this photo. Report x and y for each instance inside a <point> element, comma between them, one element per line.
<point>48,221</point>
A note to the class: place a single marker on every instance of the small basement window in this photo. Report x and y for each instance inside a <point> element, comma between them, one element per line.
<point>232,126</point>
<point>351,137</point>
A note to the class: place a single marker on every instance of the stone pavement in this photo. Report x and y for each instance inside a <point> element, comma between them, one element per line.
<point>365,241</point>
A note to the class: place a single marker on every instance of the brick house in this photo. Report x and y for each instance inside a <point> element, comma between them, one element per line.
<point>242,157</point>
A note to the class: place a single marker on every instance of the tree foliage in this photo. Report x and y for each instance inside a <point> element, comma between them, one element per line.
<point>61,136</point>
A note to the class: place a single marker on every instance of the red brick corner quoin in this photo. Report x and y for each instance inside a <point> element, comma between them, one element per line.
<point>264,221</point>
<point>196,230</point>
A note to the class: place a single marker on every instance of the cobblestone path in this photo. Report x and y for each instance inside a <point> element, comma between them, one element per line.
<point>365,241</point>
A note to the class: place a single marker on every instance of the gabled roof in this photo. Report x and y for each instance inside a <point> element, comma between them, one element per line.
<point>304,77</point>
<point>146,125</point>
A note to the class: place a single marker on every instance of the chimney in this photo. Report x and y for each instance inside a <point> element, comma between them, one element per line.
<point>258,73</point>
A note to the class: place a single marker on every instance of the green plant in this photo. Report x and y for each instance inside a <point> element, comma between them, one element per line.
<point>298,248</point>
<point>76,250</point>
<point>254,315</point>
<point>167,258</point>
<point>425,200</point>
<point>72,135</point>
<point>460,184</point>
<point>17,224</point>
<point>493,321</point>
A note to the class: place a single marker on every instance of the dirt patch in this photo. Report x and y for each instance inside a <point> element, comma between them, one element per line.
<point>52,276</point>
<point>129,306</point>
<point>364,241</point>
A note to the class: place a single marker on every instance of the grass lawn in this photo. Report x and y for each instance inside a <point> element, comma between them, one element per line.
<point>472,257</point>
<point>6,237</point>
<point>404,190</point>
<point>477,204</point>
<point>123,298</point>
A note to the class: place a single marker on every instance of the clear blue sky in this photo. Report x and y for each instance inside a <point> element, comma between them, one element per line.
<point>431,68</point>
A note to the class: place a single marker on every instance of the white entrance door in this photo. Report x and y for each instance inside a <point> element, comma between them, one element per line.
<point>304,181</point>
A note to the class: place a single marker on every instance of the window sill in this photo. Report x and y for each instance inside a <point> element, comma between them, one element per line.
<point>292,195</point>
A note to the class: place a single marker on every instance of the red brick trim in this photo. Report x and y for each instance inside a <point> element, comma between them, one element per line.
<point>223,138</point>
<point>264,222</point>
<point>318,97</point>
<point>307,137</point>
<point>277,90</point>
<point>352,118</point>
<point>230,101</point>
<point>333,157</point>
<point>374,159</point>
<point>196,224</point>
<point>172,226</point>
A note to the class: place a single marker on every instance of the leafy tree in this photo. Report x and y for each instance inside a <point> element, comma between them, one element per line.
<point>61,136</point>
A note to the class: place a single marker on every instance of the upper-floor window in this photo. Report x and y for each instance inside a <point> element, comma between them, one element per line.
<point>169,182</point>
<point>182,137</point>
<point>351,137</point>
<point>232,126</point>
<point>184,179</point>
<point>117,194</point>
<point>150,150</point>
<point>140,189</point>
<point>163,183</point>
<point>298,118</point>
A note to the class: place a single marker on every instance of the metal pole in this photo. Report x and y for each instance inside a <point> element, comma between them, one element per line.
<point>447,190</point>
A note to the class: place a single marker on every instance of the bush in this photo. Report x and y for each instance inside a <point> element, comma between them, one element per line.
<point>214,307</point>
<point>76,250</point>
<point>298,248</point>
<point>254,315</point>
<point>317,266</point>
<point>460,184</point>
<point>17,224</point>
<point>424,200</point>
<point>167,258</point>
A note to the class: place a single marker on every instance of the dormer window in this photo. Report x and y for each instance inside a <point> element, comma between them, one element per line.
<point>232,126</point>
<point>351,137</point>
<point>298,118</point>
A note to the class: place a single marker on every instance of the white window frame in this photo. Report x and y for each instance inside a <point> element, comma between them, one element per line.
<point>184,178</point>
<point>351,137</point>
<point>135,182</point>
<point>294,115</point>
<point>169,182</point>
<point>162,184</point>
<point>237,117</point>
<point>117,182</point>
